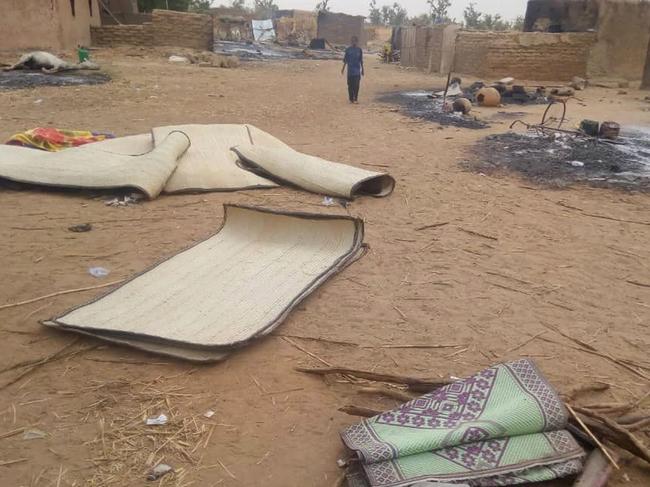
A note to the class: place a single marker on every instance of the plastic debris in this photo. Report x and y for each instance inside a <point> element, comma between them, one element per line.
<point>126,201</point>
<point>577,164</point>
<point>34,435</point>
<point>328,201</point>
<point>209,414</point>
<point>81,228</point>
<point>98,272</point>
<point>159,471</point>
<point>157,421</point>
<point>179,59</point>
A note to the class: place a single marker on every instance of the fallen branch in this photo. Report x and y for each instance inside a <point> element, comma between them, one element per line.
<point>612,431</point>
<point>596,472</point>
<point>359,411</point>
<point>414,384</point>
<point>593,437</point>
<point>60,293</point>
<point>587,348</point>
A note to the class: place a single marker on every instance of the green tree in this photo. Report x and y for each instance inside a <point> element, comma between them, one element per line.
<point>472,16</point>
<point>394,15</point>
<point>422,19</point>
<point>518,23</point>
<point>375,16</point>
<point>482,21</point>
<point>439,10</point>
<point>265,8</point>
<point>323,6</point>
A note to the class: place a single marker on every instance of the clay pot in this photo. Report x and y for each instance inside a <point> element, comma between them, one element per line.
<point>488,97</point>
<point>462,105</point>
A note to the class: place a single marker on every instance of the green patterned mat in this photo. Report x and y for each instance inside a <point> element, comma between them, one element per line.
<point>502,426</point>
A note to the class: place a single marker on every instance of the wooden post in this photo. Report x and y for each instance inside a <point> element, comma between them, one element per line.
<point>645,83</point>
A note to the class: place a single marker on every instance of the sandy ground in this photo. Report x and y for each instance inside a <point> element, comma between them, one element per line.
<point>546,257</point>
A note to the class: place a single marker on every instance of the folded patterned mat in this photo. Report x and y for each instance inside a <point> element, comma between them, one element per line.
<point>502,426</point>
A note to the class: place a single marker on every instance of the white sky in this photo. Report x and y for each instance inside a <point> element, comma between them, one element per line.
<point>509,9</point>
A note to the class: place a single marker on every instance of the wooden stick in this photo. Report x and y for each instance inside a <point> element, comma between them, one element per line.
<point>414,383</point>
<point>433,225</point>
<point>456,345</point>
<point>639,425</point>
<point>50,358</point>
<point>526,342</point>
<point>633,444</point>
<point>313,355</point>
<point>593,437</point>
<point>587,348</point>
<point>388,392</point>
<point>477,234</point>
<point>596,472</point>
<point>359,411</point>
<point>60,293</point>
<point>11,462</point>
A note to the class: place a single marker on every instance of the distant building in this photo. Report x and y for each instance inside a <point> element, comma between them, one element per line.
<point>340,28</point>
<point>52,24</point>
<point>622,30</point>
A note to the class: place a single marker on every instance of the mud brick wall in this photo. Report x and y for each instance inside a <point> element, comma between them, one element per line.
<point>122,35</point>
<point>471,52</point>
<point>180,29</point>
<point>338,29</point>
<point>423,37</point>
<point>435,48</point>
<point>527,55</point>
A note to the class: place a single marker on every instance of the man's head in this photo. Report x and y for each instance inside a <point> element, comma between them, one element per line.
<point>355,41</point>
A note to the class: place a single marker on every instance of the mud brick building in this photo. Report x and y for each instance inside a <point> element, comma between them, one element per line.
<point>52,24</point>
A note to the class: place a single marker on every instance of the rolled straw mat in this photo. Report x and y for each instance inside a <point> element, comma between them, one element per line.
<point>239,284</point>
<point>285,165</point>
<point>91,166</point>
<point>210,165</point>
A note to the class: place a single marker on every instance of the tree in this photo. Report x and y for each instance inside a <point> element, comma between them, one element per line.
<point>238,4</point>
<point>439,10</point>
<point>375,14</point>
<point>472,16</point>
<point>199,5</point>
<point>394,15</point>
<point>323,6</point>
<point>482,21</point>
<point>422,19</point>
<point>265,8</point>
<point>518,23</point>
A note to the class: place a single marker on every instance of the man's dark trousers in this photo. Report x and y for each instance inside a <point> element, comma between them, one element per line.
<point>353,87</point>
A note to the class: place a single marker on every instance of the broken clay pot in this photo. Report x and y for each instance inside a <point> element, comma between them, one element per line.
<point>462,105</point>
<point>488,97</point>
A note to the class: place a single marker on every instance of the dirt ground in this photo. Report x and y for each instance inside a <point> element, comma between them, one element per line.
<point>513,259</point>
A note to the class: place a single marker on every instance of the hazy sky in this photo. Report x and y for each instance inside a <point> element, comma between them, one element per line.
<point>508,9</point>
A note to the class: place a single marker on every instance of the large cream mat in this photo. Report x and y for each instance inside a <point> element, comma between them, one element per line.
<point>285,165</point>
<point>210,165</point>
<point>237,285</point>
<point>96,168</point>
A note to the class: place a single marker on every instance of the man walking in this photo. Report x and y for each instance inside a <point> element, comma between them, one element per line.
<point>354,61</point>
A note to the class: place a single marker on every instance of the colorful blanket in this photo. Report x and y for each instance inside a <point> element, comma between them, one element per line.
<point>53,140</point>
<point>502,426</point>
